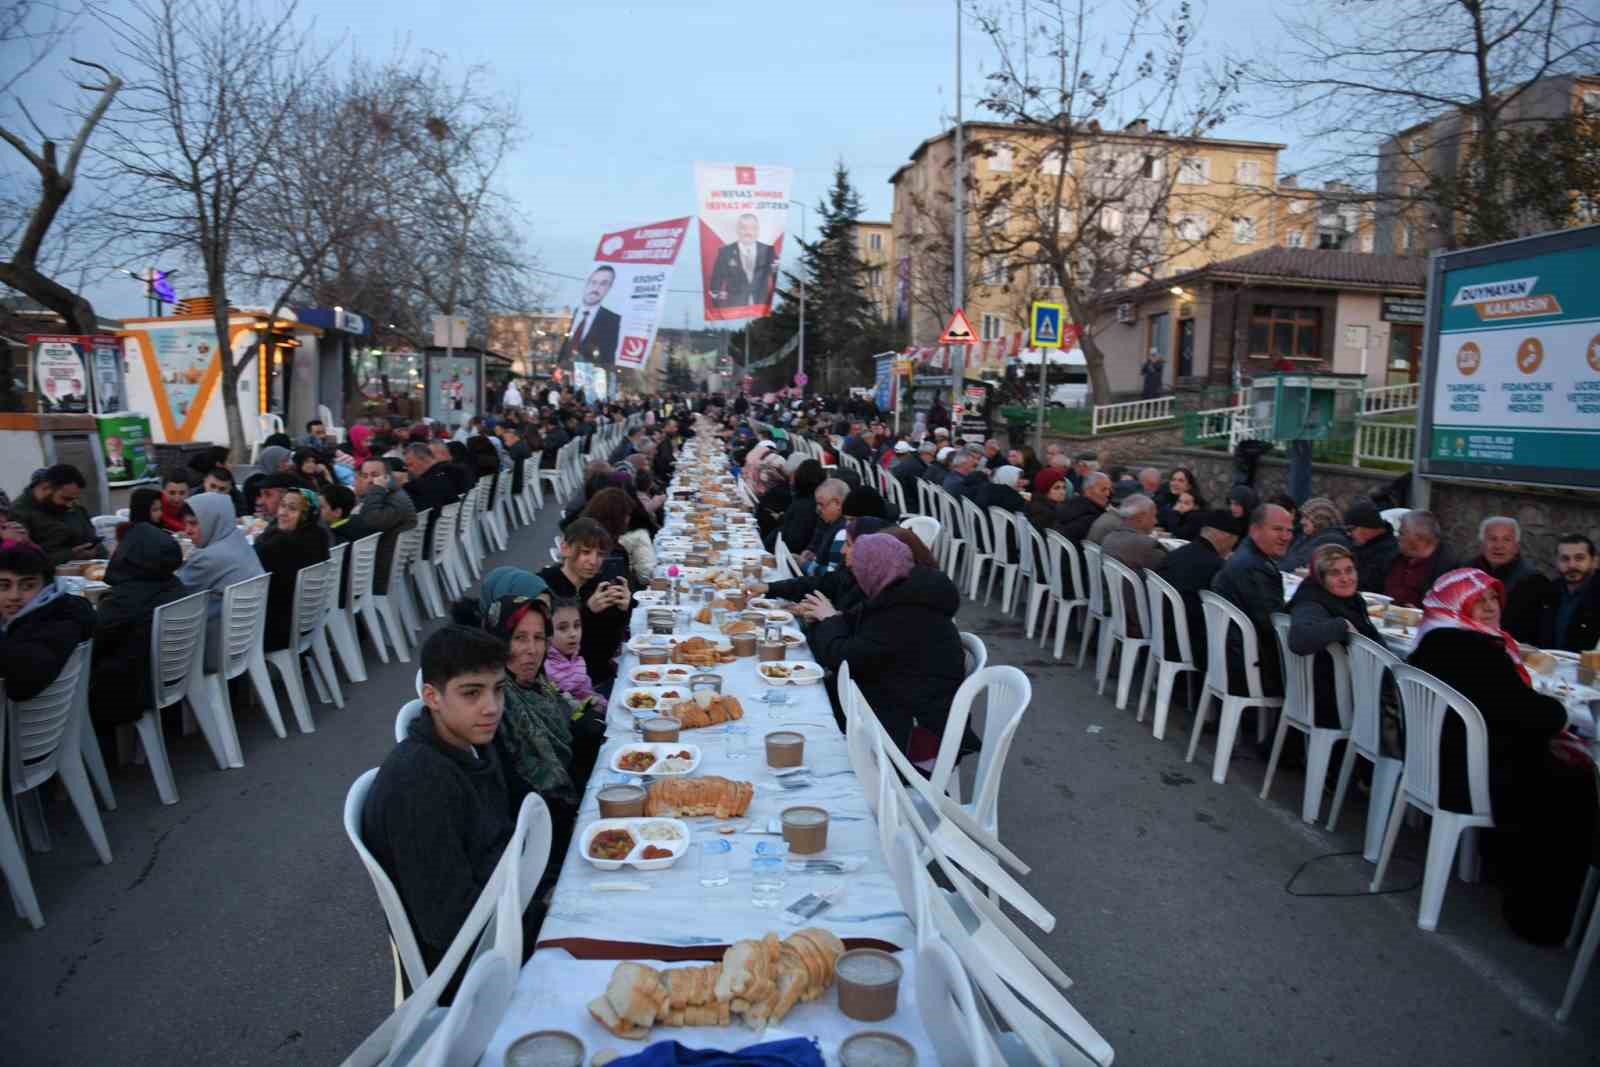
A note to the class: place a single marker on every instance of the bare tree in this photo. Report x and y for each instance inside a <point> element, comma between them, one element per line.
<point>209,94</point>
<point>56,180</point>
<point>1359,75</point>
<point>1101,117</point>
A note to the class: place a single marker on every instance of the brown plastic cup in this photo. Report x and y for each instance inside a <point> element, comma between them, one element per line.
<point>662,729</point>
<point>547,1048</point>
<point>786,748</point>
<point>806,829</point>
<point>655,655</point>
<point>869,983</point>
<point>621,801</point>
<point>771,651</point>
<point>663,584</point>
<point>744,645</point>
<point>874,1048</point>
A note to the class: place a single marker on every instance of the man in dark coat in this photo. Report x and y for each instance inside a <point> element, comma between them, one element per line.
<point>385,508</point>
<point>1375,544</point>
<point>518,452</point>
<point>54,519</point>
<point>1423,557</point>
<point>430,486</point>
<point>40,622</point>
<point>1192,567</point>
<point>1500,557</point>
<point>143,576</point>
<point>1251,581</point>
<point>1082,510</point>
<point>1568,611</point>
<point>909,467</point>
<point>966,477</point>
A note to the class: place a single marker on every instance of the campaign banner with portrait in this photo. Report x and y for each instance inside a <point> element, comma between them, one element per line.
<point>60,373</point>
<point>614,320</point>
<point>743,211</point>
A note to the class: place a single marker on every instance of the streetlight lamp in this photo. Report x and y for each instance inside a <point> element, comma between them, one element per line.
<point>801,363</point>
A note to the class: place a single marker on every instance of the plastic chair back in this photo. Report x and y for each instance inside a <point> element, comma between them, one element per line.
<point>1007,693</point>
<point>925,527</point>
<point>788,566</point>
<point>1003,530</point>
<point>44,727</point>
<point>946,1002</point>
<point>1299,686</point>
<point>409,712</point>
<point>1174,647</point>
<point>177,644</point>
<point>1122,585</point>
<point>1094,571</point>
<point>1427,701</point>
<point>1221,615</point>
<point>1065,565</point>
<point>975,652</point>
<point>1036,556</point>
<point>925,504</point>
<point>405,939</point>
<point>310,604</point>
<point>330,588</point>
<point>1369,660</point>
<point>444,531</point>
<point>975,527</point>
<point>363,561</point>
<point>244,623</point>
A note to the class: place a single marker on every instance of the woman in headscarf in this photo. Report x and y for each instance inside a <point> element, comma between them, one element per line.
<point>901,643</point>
<point>222,556</point>
<point>799,525</point>
<point>1321,523</point>
<point>143,575</point>
<point>1001,491</point>
<point>360,434</point>
<point>144,506</point>
<point>1242,500</point>
<point>312,471</point>
<point>773,498</point>
<point>293,541</point>
<point>837,586</point>
<point>1323,612</point>
<point>1540,792</point>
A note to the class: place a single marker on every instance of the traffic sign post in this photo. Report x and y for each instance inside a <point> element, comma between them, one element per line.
<point>1047,326</point>
<point>959,331</point>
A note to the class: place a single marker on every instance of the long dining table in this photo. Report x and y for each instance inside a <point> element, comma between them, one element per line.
<point>662,917</point>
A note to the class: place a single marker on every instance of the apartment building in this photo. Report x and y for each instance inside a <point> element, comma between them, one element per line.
<point>1335,218</point>
<point>1167,203</point>
<point>1442,146</point>
<point>875,246</point>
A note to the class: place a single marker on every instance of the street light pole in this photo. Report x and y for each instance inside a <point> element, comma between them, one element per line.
<point>959,242</point>
<point>801,366</point>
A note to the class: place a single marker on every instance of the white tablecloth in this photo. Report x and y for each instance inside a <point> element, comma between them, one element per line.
<point>554,991</point>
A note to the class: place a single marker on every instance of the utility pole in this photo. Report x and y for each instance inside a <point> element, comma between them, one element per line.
<point>801,367</point>
<point>958,357</point>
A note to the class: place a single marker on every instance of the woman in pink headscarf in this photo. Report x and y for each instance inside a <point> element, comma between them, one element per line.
<point>901,643</point>
<point>1544,807</point>
<point>360,434</point>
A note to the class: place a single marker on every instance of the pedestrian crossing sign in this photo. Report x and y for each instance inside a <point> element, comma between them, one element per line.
<point>1047,320</point>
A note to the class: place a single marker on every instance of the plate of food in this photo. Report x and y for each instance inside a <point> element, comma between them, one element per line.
<point>793,639</point>
<point>782,618</point>
<point>651,700</point>
<point>656,759</point>
<point>790,672</point>
<point>649,596</point>
<point>645,844</point>
<point>661,674</point>
<point>763,603</point>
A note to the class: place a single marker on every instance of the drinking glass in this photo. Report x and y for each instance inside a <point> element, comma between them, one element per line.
<point>766,874</point>
<point>738,740</point>
<point>716,862</point>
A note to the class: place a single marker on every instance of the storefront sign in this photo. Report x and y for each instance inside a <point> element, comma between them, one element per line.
<point>1406,309</point>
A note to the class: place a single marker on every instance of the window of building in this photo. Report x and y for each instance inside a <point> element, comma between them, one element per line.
<point>1050,161</point>
<point>875,278</point>
<point>992,327</point>
<point>1001,157</point>
<point>1247,172</point>
<point>1244,230</point>
<point>875,242</point>
<point>1045,277</point>
<point>994,270</point>
<point>1191,228</point>
<point>1111,219</point>
<point>1152,167</point>
<point>1591,102</point>
<point>1366,242</point>
<point>1285,332</point>
<point>1297,239</point>
<point>1350,217</point>
<point>1194,170</point>
<point>1408,237</point>
<point>1330,239</point>
<point>1297,207</point>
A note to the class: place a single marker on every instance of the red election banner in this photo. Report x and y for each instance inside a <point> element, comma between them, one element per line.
<point>743,211</point>
<point>631,268</point>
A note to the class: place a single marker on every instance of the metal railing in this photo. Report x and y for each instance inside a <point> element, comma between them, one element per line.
<point>1385,442</point>
<point>1131,413</point>
<point>1387,398</point>
<point>1231,424</point>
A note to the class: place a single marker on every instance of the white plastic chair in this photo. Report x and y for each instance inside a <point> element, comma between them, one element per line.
<point>1170,654</point>
<point>469,552</point>
<point>524,506</point>
<point>1006,692</point>
<point>1124,586</point>
<point>1427,701</point>
<point>105,528</point>
<point>948,1007</point>
<point>1095,614</point>
<point>1369,661</point>
<point>979,535</point>
<point>1588,903</point>
<point>1220,616</point>
<point>788,566</point>
<point>434,578</point>
<point>1392,516</point>
<point>393,605</point>
<point>243,624</point>
<point>177,662</point>
<point>926,529</point>
<point>1299,712</point>
<point>306,624</point>
<point>409,712</point>
<point>402,939</point>
<point>1005,527</point>
<point>41,739</point>
<point>1065,566</point>
<point>492,520</point>
<point>957,542</point>
<point>363,564</point>
<point>266,425</point>
<point>1035,575</point>
<point>337,627</point>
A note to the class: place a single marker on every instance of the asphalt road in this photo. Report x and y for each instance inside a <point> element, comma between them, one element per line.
<point>237,927</point>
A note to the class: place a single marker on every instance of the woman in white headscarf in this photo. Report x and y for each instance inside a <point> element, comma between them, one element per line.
<point>221,557</point>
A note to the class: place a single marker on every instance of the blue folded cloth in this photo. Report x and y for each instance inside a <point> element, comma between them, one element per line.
<point>791,1052</point>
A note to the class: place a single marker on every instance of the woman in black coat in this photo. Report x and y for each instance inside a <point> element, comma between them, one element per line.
<point>1543,806</point>
<point>294,541</point>
<point>40,622</point>
<point>1323,612</point>
<point>902,643</point>
<point>143,576</point>
<point>800,519</point>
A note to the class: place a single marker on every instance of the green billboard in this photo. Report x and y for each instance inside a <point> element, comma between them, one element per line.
<point>125,442</point>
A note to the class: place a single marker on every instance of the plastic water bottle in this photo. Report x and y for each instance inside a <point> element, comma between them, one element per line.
<point>766,873</point>
<point>716,862</point>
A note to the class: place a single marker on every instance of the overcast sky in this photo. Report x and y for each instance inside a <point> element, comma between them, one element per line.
<point>620,100</point>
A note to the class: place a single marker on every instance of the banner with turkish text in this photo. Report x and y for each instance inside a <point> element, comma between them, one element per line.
<point>743,211</point>
<point>614,319</point>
